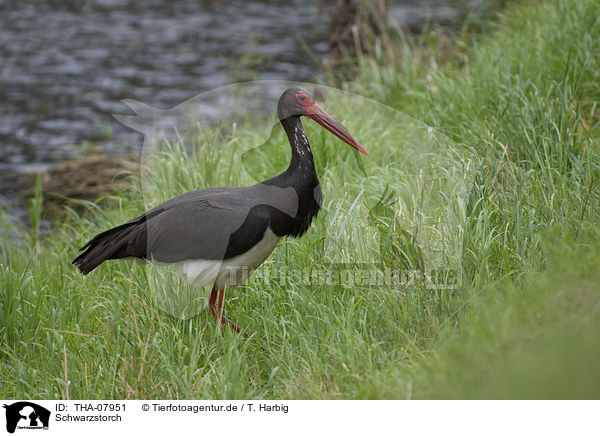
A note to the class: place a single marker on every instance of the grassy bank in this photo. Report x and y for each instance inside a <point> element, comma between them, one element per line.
<point>500,198</point>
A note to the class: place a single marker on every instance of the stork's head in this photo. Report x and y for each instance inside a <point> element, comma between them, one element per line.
<point>296,102</point>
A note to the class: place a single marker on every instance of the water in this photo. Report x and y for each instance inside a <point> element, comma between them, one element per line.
<point>65,64</point>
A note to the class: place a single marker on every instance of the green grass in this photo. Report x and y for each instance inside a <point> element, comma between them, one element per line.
<point>501,193</point>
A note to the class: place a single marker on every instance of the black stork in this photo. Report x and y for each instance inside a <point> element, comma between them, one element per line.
<point>212,235</point>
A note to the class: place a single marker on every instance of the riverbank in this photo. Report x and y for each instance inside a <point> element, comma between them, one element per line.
<point>499,198</point>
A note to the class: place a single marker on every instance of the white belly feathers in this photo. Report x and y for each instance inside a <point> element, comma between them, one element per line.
<point>233,271</point>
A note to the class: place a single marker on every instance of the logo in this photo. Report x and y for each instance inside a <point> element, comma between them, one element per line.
<point>26,415</point>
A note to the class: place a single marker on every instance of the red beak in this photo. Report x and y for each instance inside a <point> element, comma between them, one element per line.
<point>315,112</point>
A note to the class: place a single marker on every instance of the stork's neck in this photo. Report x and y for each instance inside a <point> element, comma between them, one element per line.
<point>301,176</point>
<point>301,173</point>
<point>302,158</point>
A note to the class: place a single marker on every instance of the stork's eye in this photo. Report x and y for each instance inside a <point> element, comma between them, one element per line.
<point>303,99</point>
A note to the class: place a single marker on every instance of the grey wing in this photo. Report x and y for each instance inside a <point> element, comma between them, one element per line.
<point>215,223</point>
<point>193,229</point>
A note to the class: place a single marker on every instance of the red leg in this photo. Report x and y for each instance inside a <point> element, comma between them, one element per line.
<point>211,301</point>
<point>217,313</point>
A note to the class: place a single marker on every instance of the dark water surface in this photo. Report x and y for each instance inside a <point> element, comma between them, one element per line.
<point>65,64</point>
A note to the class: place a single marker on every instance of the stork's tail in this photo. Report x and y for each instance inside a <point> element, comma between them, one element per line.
<point>127,240</point>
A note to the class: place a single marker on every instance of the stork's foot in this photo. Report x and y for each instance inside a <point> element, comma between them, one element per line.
<point>217,312</point>
<point>233,325</point>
